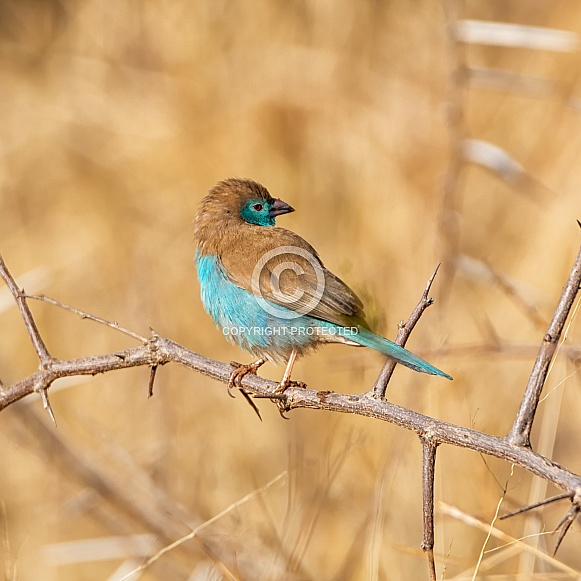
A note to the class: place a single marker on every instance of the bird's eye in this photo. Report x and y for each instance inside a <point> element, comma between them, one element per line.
<point>257,207</point>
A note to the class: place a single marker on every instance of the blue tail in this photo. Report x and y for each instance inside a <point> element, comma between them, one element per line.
<point>401,355</point>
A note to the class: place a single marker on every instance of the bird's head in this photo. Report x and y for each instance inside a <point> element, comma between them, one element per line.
<point>234,202</point>
<point>250,201</point>
<point>242,199</point>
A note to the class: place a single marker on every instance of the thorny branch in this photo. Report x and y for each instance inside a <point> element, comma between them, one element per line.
<point>520,433</point>
<point>378,391</point>
<point>157,351</point>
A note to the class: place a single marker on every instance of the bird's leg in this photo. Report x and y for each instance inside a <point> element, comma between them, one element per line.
<point>241,370</point>
<point>286,380</point>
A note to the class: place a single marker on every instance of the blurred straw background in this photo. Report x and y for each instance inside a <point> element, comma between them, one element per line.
<point>405,134</point>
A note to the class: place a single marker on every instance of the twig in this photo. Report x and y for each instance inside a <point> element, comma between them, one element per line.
<point>85,315</point>
<point>378,391</point>
<point>428,472</point>
<point>20,298</point>
<point>39,345</point>
<point>520,433</point>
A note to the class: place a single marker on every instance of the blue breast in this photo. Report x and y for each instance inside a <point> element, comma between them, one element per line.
<point>238,314</point>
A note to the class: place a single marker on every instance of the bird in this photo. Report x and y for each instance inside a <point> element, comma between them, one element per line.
<point>267,289</point>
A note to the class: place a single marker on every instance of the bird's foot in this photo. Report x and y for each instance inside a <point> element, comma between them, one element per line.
<point>241,370</point>
<point>284,384</point>
<point>279,397</point>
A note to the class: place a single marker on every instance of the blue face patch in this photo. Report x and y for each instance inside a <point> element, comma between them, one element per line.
<point>257,211</point>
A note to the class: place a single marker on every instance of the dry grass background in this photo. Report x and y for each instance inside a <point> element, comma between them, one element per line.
<point>117,118</point>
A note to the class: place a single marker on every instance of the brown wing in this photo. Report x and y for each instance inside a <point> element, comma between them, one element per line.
<point>283,268</point>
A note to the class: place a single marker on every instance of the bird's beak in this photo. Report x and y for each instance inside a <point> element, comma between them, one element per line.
<point>279,207</point>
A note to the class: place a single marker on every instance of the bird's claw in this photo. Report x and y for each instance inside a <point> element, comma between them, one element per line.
<point>277,396</point>
<point>283,385</point>
<point>236,377</point>
<point>280,398</point>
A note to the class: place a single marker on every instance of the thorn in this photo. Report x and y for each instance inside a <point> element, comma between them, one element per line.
<point>151,380</point>
<point>280,399</point>
<point>536,505</point>
<point>565,524</point>
<point>46,404</point>
<point>153,340</point>
<point>431,280</point>
<point>251,403</point>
